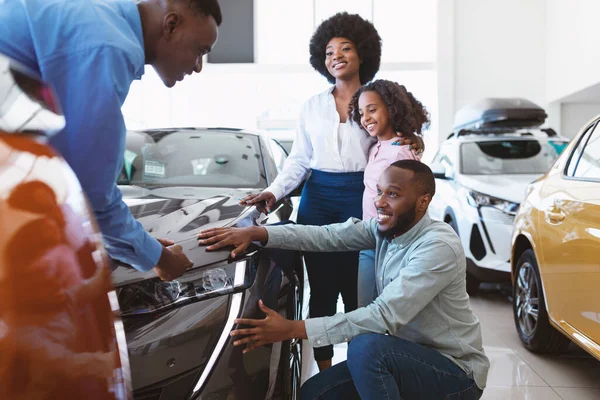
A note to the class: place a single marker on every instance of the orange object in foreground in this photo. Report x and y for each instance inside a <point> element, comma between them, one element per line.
<point>59,335</point>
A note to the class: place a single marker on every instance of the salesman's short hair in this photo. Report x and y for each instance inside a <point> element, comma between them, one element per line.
<point>210,8</point>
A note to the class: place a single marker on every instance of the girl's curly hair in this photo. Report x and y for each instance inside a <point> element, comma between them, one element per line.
<point>360,31</point>
<point>406,113</point>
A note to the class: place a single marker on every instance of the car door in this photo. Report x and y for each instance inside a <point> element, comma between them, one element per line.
<point>570,238</point>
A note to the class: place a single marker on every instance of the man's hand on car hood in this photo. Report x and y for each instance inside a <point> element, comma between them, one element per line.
<point>173,262</point>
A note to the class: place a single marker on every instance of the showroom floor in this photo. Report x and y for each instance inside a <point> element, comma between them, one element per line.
<point>515,373</point>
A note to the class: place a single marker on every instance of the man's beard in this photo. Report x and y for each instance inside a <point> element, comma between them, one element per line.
<point>404,222</point>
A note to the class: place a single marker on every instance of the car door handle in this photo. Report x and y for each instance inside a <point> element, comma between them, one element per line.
<point>555,216</point>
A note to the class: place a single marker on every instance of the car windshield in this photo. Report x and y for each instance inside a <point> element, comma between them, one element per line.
<point>193,158</point>
<point>510,157</point>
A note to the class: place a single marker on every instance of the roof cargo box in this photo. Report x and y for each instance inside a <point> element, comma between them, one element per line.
<point>494,113</point>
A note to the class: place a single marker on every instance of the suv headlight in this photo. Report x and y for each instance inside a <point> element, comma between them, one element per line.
<point>477,199</point>
<point>152,295</point>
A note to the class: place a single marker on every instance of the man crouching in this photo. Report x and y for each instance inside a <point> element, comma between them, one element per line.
<point>419,339</point>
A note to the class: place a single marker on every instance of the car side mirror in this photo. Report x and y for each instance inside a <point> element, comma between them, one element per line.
<point>439,172</point>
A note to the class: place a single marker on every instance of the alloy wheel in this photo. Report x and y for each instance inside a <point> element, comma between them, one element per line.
<point>527,299</point>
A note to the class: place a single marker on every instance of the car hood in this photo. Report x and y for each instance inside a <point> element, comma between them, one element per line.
<point>505,187</point>
<point>179,213</point>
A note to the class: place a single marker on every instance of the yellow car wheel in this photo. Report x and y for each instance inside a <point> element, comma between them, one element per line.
<point>529,309</point>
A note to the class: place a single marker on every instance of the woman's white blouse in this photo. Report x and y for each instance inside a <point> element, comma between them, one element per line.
<point>322,143</point>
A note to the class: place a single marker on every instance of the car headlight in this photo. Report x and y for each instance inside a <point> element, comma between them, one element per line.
<point>152,295</point>
<point>477,199</point>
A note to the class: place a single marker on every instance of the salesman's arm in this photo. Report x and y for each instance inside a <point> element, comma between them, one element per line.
<point>92,85</point>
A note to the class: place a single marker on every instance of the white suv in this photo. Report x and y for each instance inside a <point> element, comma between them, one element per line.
<point>481,178</point>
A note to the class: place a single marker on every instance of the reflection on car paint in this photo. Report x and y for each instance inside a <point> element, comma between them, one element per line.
<point>181,212</point>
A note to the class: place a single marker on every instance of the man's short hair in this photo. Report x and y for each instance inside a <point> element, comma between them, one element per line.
<point>423,179</point>
<point>210,8</point>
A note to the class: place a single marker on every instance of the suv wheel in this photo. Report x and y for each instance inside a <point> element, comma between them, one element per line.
<point>472,284</point>
<point>529,309</point>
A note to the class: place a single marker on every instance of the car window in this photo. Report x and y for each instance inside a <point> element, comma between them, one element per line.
<point>576,154</point>
<point>193,158</point>
<point>587,166</point>
<point>510,157</point>
<point>279,154</point>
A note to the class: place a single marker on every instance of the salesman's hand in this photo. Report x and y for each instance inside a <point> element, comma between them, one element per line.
<point>165,242</point>
<point>415,142</point>
<point>274,328</point>
<point>264,201</point>
<point>173,263</point>
<point>240,238</point>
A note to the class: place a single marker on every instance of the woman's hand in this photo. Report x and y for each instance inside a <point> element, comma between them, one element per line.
<point>274,328</point>
<point>264,201</point>
<point>415,142</point>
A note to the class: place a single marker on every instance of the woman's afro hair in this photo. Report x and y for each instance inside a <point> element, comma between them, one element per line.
<point>360,31</point>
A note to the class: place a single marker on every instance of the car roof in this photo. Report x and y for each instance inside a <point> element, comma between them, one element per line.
<point>499,113</point>
<point>520,134</point>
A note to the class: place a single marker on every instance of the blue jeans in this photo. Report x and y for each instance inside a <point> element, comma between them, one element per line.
<point>382,367</point>
<point>366,278</point>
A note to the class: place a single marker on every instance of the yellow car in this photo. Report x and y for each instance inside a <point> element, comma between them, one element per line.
<point>556,252</point>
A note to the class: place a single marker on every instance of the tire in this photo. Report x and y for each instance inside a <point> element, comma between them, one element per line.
<point>472,281</point>
<point>472,284</point>
<point>529,309</point>
<point>290,362</point>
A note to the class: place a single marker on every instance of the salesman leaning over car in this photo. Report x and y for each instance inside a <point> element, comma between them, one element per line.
<point>419,339</point>
<point>90,52</point>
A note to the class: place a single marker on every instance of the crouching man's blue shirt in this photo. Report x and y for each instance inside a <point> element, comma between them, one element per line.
<point>89,51</point>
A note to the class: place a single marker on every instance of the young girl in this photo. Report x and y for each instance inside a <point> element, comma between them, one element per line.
<point>383,109</point>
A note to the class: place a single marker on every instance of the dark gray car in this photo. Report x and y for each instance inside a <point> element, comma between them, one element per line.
<point>176,183</point>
